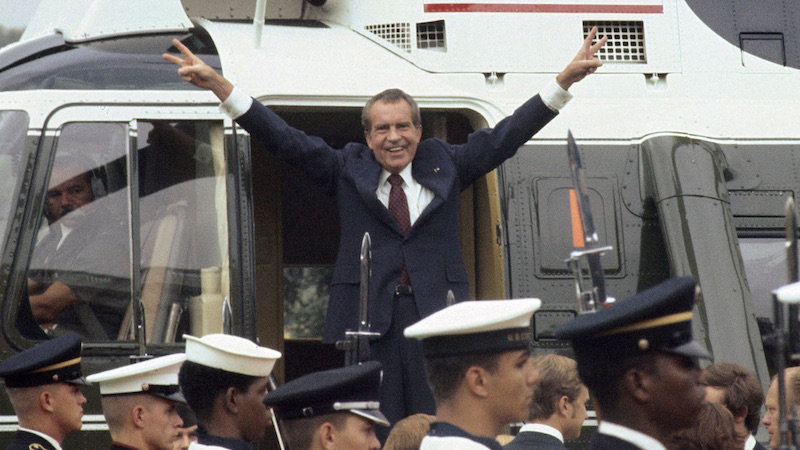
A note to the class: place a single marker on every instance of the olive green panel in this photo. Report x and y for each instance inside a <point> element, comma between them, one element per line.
<point>685,178</point>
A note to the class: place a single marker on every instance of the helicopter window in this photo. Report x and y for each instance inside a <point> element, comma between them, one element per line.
<point>79,278</point>
<point>13,126</point>
<point>183,228</point>
<point>765,267</point>
<point>79,275</point>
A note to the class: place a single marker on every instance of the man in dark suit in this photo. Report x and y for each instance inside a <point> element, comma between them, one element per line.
<point>44,384</point>
<point>638,359</point>
<point>738,389</point>
<point>405,193</point>
<point>558,408</point>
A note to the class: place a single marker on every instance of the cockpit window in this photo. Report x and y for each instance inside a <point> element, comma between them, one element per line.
<point>83,275</point>
<point>79,275</point>
<point>124,63</point>
<point>13,129</point>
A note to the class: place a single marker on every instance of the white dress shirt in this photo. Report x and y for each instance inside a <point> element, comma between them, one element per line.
<point>544,429</point>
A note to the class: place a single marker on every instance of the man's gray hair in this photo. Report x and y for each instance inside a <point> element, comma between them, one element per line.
<point>393,95</point>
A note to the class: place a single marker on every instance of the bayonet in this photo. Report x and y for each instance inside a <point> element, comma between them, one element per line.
<point>356,343</point>
<point>792,271</point>
<point>586,240</point>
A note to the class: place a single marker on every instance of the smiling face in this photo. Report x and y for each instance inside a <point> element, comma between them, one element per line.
<point>393,136</point>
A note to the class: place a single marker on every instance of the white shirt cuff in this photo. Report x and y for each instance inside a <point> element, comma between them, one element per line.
<point>236,104</point>
<point>554,96</point>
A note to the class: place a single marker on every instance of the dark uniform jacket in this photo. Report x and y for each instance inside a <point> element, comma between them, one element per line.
<point>529,440</point>
<point>606,442</point>
<point>431,250</point>
<point>229,443</point>
<point>24,440</point>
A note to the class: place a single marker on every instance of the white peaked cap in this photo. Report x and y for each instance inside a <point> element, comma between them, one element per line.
<point>231,353</point>
<point>137,378</point>
<point>476,327</point>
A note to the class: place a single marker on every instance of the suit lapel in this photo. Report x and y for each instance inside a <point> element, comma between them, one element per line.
<point>430,171</point>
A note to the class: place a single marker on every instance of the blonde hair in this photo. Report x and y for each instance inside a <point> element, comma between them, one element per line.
<point>558,376</point>
<point>407,433</point>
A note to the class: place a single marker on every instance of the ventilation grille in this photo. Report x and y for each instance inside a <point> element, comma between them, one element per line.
<point>430,35</point>
<point>397,34</point>
<point>625,40</point>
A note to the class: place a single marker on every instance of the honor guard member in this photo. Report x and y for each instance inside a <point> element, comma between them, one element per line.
<point>224,380</point>
<point>139,403</point>
<point>331,409</point>
<point>638,360</point>
<point>43,384</point>
<point>478,364</point>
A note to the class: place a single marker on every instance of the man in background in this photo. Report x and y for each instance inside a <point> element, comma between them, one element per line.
<point>558,408</point>
<point>737,389</point>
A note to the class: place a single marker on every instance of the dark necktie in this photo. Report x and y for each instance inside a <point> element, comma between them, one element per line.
<point>398,208</point>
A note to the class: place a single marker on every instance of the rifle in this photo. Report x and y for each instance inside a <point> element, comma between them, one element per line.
<point>790,295</point>
<point>356,343</point>
<point>584,238</point>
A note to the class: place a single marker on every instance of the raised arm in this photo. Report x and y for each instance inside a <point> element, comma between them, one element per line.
<point>196,71</point>
<point>584,62</point>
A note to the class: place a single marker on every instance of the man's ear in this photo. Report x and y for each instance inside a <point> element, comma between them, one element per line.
<point>638,384</point>
<point>326,435</point>
<point>46,400</point>
<point>137,416</point>
<point>476,380</point>
<point>564,406</point>
<point>232,400</point>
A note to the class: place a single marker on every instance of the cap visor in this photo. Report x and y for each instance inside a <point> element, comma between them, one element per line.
<point>373,415</point>
<point>176,397</point>
<point>80,381</point>
<point>691,349</point>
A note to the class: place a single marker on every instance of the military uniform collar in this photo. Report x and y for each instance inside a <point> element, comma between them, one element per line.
<point>230,443</point>
<point>47,438</point>
<point>626,434</point>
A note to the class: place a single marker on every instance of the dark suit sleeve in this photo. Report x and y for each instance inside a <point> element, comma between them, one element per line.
<point>487,148</point>
<point>322,163</point>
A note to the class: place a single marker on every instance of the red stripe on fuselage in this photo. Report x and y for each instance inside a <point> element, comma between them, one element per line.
<point>542,8</point>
